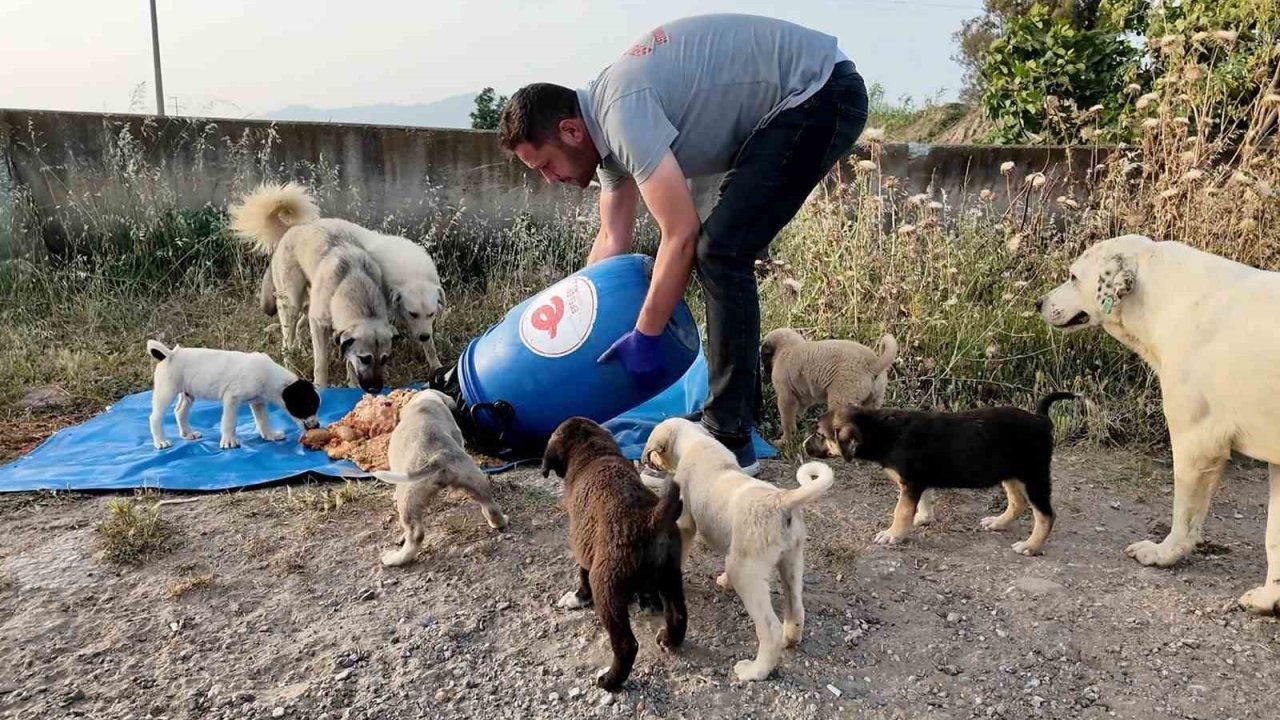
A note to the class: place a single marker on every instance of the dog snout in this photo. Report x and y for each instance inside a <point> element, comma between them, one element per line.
<point>1039,304</point>
<point>815,447</point>
<point>424,337</point>
<point>311,423</point>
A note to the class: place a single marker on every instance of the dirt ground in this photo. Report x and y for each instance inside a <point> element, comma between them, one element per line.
<point>273,604</point>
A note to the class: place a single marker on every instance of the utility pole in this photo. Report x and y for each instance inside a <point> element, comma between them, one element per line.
<point>155,51</point>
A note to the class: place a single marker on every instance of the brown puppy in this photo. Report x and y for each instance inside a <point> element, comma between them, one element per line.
<point>808,373</point>
<point>973,449</point>
<point>624,539</point>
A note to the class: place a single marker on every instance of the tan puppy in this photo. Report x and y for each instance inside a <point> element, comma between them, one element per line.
<point>808,373</point>
<point>426,455</point>
<point>757,526</point>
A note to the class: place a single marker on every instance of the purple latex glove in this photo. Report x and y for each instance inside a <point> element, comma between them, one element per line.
<point>640,354</point>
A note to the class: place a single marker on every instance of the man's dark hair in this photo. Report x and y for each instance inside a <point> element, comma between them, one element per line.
<point>534,112</point>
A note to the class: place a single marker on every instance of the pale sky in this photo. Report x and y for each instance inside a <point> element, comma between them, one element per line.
<point>238,58</point>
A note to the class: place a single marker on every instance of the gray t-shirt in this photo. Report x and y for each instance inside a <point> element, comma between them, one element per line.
<point>700,86</point>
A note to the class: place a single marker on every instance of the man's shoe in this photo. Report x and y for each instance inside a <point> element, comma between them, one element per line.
<point>745,454</point>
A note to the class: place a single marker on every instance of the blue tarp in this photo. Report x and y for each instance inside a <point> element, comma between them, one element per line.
<point>113,451</point>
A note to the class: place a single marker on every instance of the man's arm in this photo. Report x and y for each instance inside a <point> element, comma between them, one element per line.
<point>617,221</point>
<point>666,194</point>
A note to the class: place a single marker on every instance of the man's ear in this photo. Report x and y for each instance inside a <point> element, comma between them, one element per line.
<point>1116,279</point>
<point>572,128</point>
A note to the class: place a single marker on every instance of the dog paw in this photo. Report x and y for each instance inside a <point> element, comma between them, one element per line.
<point>1263,600</point>
<point>1025,548</point>
<point>396,558</point>
<point>791,633</point>
<point>884,537</point>
<point>193,435</point>
<point>497,522</point>
<point>723,582</point>
<point>163,444</point>
<point>273,436</point>
<point>994,522</point>
<point>571,601</point>
<point>922,519</point>
<point>1149,553</point>
<point>607,680</point>
<point>664,641</point>
<point>229,443</point>
<point>747,671</point>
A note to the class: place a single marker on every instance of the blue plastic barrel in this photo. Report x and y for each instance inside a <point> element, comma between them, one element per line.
<point>539,362</point>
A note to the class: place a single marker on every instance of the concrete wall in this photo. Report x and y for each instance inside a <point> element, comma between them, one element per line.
<point>81,168</point>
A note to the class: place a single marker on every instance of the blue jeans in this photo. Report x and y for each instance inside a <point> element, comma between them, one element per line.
<point>776,169</point>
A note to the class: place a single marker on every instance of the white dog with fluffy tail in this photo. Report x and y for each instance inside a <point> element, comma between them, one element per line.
<point>410,279</point>
<point>232,377</point>
<point>1209,328</point>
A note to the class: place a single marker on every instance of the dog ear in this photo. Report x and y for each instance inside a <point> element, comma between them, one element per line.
<point>440,300</point>
<point>394,298</point>
<point>1115,280</point>
<point>342,341</point>
<point>848,436</point>
<point>553,458</point>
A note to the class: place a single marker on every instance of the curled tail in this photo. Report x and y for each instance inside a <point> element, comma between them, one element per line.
<point>888,352</point>
<point>669,507</point>
<point>263,216</point>
<point>815,478</point>
<point>1042,407</point>
<point>158,349</point>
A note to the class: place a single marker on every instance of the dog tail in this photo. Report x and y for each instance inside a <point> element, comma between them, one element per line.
<point>669,507</point>
<point>815,478</point>
<point>159,350</point>
<point>888,353</point>
<point>263,216</point>
<point>396,478</point>
<point>1042,407</point>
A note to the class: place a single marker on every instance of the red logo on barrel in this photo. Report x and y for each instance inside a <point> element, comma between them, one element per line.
<point>547,317</point>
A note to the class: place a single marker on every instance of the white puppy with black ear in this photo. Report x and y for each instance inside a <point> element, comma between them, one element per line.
<point>232,377</point>
<point>757,526</point>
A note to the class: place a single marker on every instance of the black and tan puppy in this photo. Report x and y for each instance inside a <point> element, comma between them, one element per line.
<point>623,537</point>
<point>973,449</point>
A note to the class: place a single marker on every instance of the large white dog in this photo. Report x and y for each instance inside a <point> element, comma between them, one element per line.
<point>1210,328</point>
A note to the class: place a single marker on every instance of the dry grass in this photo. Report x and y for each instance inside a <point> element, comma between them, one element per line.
<point>328,500</point>
<point>176,588</point>
<point>133,532</point>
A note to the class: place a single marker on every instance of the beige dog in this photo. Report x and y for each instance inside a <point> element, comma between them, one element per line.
<point>426,455</point>
<point>808,373</point>
<point>1208,327</point>
<point>757,526</point>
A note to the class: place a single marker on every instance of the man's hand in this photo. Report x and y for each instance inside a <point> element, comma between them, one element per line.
<point>617,222</point>
<point>638,353</point>
<point>666,194</point>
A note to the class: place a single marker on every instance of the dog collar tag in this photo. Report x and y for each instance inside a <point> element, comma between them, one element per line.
<point>1107,303</point>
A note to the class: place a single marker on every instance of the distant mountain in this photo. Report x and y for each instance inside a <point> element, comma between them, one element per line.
<point>451,112</point>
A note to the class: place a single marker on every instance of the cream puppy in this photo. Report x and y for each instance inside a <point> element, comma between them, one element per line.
<point>758,527</point>
<point>425,455</point>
